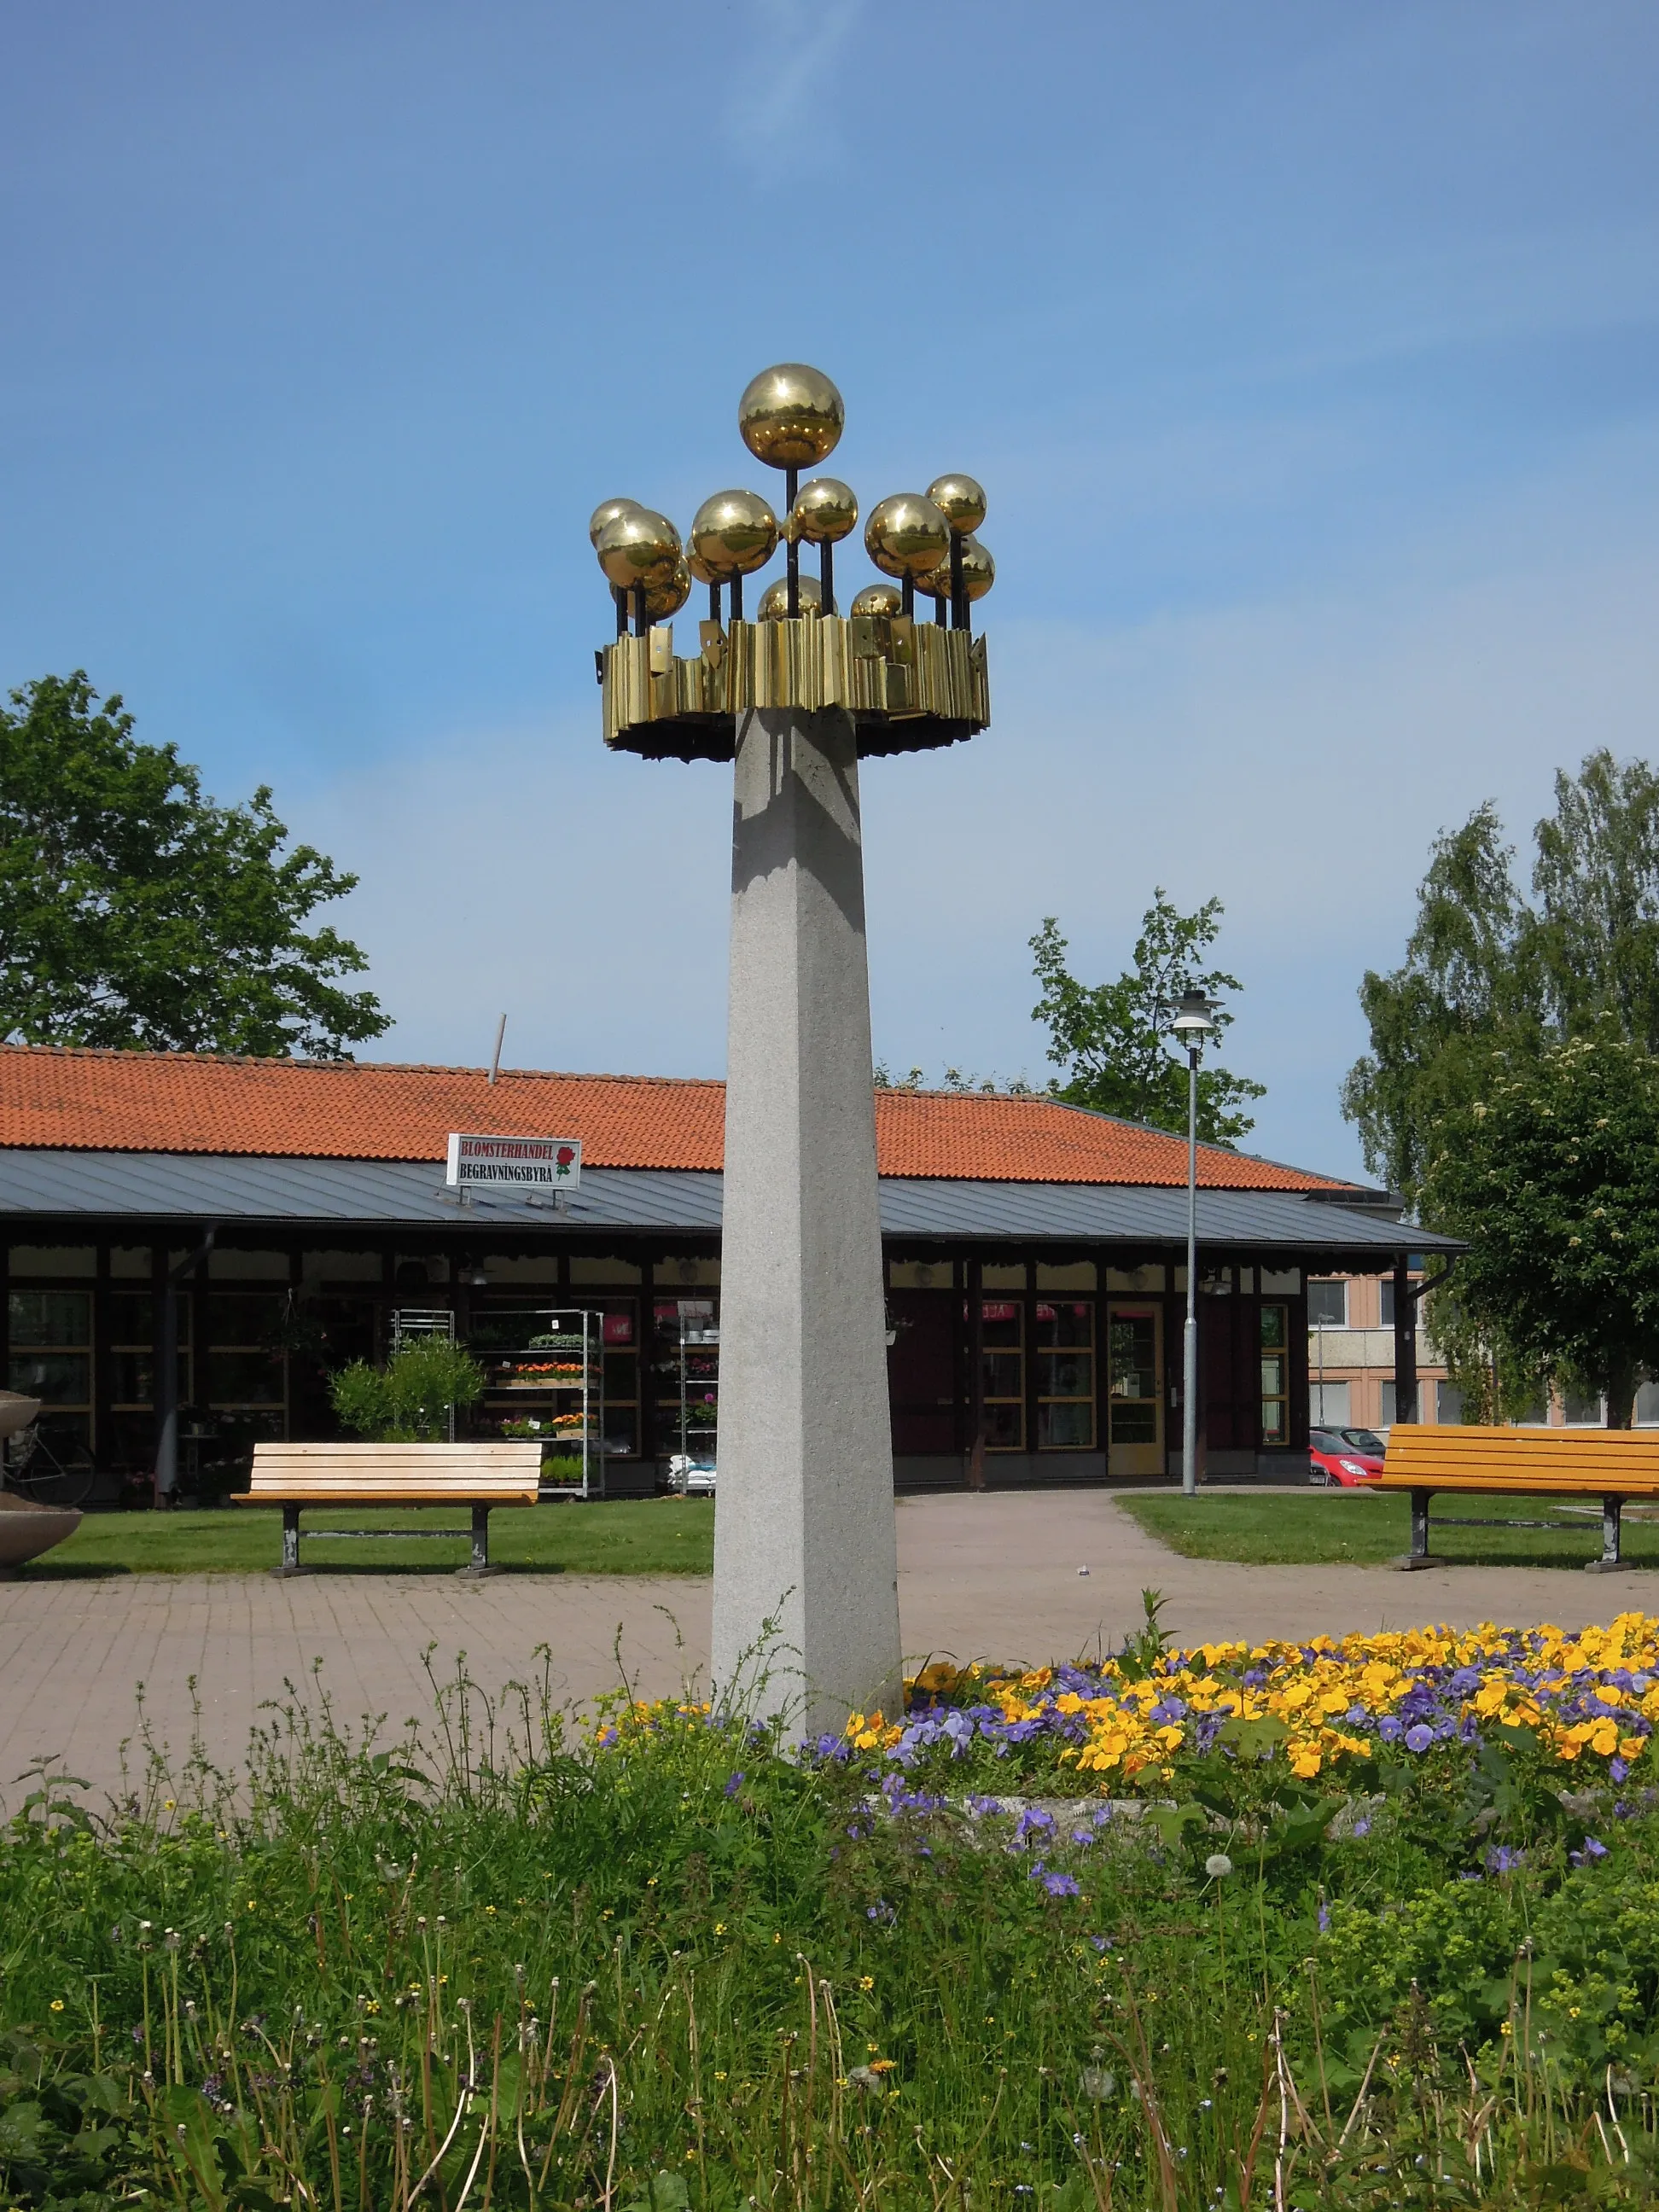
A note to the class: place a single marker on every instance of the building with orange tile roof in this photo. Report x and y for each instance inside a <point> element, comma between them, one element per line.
<point>297,1213</point>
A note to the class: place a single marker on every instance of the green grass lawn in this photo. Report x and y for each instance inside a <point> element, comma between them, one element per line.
<point>1366,1529</point>
<point>643,1536</point>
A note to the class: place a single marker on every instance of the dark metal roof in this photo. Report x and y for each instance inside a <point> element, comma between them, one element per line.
<point>110,1188</point>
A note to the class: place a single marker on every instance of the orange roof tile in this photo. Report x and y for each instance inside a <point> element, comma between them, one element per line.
<point>141,1101</point>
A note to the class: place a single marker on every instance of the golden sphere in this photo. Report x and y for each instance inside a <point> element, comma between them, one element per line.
<point>963,500</point>
<point>774,599</point>
<point>639,547</point>
<point>877,599</point>
<point>607,511</point>
<point>979,572</point>
<point>662,600</point>
<point>906,535</point>
<point>825,510</point>
<point>791,416</point>
<point>732,533</point>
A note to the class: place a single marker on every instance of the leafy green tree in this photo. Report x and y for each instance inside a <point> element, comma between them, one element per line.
<point>1487,971</point>
<point>1553,1174</point>
<point>1113,1040</point>
<point>135,912</point>
<point>410,1399</point>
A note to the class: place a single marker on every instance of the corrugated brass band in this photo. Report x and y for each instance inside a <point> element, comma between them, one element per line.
<point>870,664</point>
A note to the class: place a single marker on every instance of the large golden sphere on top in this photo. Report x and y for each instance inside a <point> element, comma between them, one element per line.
<point>906,535</point>
<point>774,599</point>
<point>961,498</point>
<point>791,416</point>
<point>607,511</point>
<point>825,510</point>
<point>732,533</point>
<point>662,600</point>
<point>638,546</point>
<point>979,572</point>
<point>877,599</point>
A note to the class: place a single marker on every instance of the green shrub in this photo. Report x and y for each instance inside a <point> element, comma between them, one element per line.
<point>410,1399</point>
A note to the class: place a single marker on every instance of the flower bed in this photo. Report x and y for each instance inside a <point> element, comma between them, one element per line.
<point>1591,1698</point>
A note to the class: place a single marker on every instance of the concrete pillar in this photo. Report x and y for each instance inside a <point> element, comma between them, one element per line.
<point>804,1528</point>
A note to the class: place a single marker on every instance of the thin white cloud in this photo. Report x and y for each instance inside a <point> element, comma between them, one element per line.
<point>782,93</point>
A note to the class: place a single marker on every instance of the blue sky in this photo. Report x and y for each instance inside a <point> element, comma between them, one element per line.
<point>1309,356</point>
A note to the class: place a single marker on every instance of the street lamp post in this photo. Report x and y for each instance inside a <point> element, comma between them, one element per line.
<point>1192,1025</point>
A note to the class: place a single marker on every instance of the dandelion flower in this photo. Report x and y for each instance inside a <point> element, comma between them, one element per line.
<point>1218,1866</point>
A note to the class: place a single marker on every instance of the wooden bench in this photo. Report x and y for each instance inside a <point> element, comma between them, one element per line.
<point>1611,1464</point>
<point>478,1476</point>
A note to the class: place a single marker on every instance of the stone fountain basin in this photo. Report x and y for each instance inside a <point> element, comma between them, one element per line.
<point>16,1412</point>
<point>27,1529</point>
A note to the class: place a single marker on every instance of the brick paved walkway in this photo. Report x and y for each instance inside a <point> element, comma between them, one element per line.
<point>993,1575</point>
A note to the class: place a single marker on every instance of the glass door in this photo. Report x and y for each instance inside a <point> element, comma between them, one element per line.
<point>1135,1390</point>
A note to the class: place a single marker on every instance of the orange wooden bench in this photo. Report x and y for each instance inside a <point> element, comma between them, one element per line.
<point>480,1476</point>
<point>1611,1464</point>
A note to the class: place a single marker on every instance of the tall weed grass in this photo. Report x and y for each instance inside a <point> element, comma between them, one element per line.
<point>488,1962</point>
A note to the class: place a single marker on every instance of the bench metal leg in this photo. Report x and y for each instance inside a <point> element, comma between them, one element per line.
<point>1610,1562</point>
<point>480,1561</point>
<point>1419,1554</point>
<point>290,1540</point>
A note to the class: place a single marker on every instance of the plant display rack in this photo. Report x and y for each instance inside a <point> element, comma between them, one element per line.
<point>556,1384</point>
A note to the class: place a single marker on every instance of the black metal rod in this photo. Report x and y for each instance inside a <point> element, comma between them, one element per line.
<point>793,554</point>
<point>642,622</point>
<point>907,594</point>
<point>827,575</point>
<point>958,585</point>
<point>736,599</point>
<point>621,597</point>
<point>714,603</point>
<point>940,603</point>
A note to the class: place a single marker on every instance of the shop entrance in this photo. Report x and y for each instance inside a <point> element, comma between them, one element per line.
<point>1134,1353</point>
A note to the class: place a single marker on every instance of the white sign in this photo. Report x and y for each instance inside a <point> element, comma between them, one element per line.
<point>529,1162</point>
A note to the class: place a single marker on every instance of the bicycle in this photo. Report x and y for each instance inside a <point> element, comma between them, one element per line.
<point>48,1468</point>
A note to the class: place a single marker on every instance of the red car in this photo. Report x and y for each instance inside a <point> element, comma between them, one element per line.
<point>1344,1458</point>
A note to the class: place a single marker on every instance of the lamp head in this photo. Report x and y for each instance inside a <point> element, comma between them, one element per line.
<point>961,498</point>
<point>791,416</point>
<point>1193,1020</point>
<point>979,571</point>
<point>877,599</point>
<point>607,511</point>
<point>732,533</point>
<point>662,600</point>
<point>774,599</point>
<point>638,546</point>
<point>906,535</point>
<point>825,510</point>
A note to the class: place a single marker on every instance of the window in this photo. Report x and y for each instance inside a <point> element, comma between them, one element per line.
<point>1002,1365</point>
<point>1448,1403</point>
<point>1134,1377</point>
<point>1066,1375</point>
<point>1275,1375</point>
<point>246,1374</point>
<point>1329,1402</point>
<point>1328,1305</point>
<point>1647,1405</point>
<point>1583,1413</point>
<point>132,1350</point>
<point>52,1354</point>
